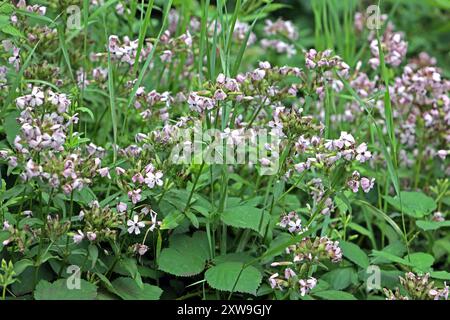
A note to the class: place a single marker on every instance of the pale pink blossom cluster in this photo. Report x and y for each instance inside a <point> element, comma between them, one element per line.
<point>356,182</point>
<point>154,102</point>
<point>134,179</point>
<point>324,64</point>
<point>394,48</point>
<point>280,29</point>
<point>290,280</point>
<point>292,222</point>
<point>14,60</point>
<point>240,33</point>
<point>38,9</point>
<point>126,51</point>
<point>328,151</point>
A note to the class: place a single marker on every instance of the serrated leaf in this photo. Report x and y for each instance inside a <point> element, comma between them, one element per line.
<point>354,253</point>
<point>227,276</point>
<point>127,289</point>
<point>185,256</point>
<point>59,290</point>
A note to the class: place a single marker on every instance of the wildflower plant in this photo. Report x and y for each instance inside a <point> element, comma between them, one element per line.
<point>185,149</point>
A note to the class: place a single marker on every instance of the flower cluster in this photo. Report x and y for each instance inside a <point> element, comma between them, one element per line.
<point>394,48</point>
<point>133,179</point>
<point>292,222</point>
<point>325,67</point>
<point>417,288</point>
<point>285,30</point>
<point>303,254</point>
<point>356,182</point>
<point>98,224</point>
<point>126,51</point>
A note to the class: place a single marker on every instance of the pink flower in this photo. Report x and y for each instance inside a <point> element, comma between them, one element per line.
<point>219,95</point>
<point>367,184</point>
<point>120,171</point>
<point>220,79</point>
<point>141,249</point>
<point>91,236</point>
<point>152,179</point>
<point>78,237</point>
<point>137,178</point>
<point>166,56</point>
<point>442,154</point>
<point>289,273</point>
<point>104,172</point>
<point>354,185</point>
<point>121,207</point>
<point>264,65</point>
<point>258,74</point>
<point>135,195</point>
<point>307,285</point>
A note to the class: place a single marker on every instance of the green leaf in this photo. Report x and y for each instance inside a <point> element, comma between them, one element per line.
<point>59,290</point>
<point>4,235</point>
<point>334,295</point>
<point>172,220</point>
<point>390,257</point>
<point>354,253</point>
<point>128,266</point>
<point>6,8</point>
<point>340,278</point>
<point>21,265</point>
<point>127,289</point>
<point>442,275</point>
<point>193,218</point>
<point>9,29</point>
<point>227,276</point>
<point>432,225</point>
<point>243,217</point>
<point>420,260</point>
<point>11,126</point>
<point>185,256</point>
<point>396,248</point>
<point>415,204</point>
<point>93,254</point>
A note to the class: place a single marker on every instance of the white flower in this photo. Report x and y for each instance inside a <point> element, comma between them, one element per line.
<point>135,225</point>
<point>28,213</point>
<point>37,97</point>
<point>153,179</point>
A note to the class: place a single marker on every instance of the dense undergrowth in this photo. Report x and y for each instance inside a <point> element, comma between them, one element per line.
<point>241,149</point>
